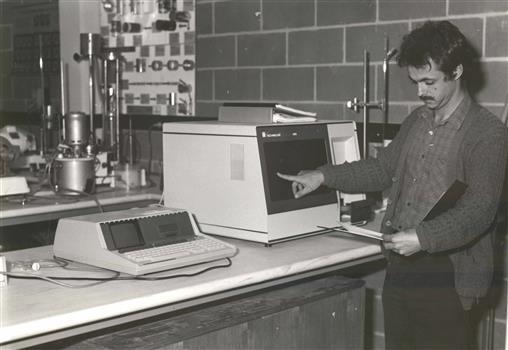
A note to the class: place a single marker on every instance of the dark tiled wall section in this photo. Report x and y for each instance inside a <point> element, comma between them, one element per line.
<point>309,54</point>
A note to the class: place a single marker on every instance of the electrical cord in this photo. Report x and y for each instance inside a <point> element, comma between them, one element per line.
<point>54,280</point>
<point>98,280</point>
<point>156,278</point>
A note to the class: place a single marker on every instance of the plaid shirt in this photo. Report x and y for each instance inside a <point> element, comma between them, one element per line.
<point>426,164</point>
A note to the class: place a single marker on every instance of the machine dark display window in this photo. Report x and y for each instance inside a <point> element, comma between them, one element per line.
<point>169,230</point>
<point>147,232</point>
<point>126,235</point>
<point>289,149</point>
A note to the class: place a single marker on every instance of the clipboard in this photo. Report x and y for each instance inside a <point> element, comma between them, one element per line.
<point>447,199</point>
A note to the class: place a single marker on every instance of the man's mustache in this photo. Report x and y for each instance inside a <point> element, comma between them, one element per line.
<point>426,98</point>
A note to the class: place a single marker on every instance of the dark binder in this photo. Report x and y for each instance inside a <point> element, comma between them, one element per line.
<point>447,199</point>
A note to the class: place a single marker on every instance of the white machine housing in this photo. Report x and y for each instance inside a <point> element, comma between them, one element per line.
<point>219,171</point>
<point>88,240</point>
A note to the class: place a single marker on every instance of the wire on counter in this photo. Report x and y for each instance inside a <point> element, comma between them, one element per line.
<point>98,280</point>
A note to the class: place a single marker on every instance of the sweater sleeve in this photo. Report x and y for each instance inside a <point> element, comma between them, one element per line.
<point>475,211</point>
<point>367,175</point>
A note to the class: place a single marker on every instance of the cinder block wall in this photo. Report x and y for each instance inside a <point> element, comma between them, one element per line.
<point>309,54</point>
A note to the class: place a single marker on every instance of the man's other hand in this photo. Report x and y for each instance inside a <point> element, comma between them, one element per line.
<point>404,242</point>
<point>305,182</point>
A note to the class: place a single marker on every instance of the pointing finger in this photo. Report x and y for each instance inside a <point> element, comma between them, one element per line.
<point>287,177</point>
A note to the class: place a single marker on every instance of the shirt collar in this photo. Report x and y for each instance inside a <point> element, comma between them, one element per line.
<point>457,117</point>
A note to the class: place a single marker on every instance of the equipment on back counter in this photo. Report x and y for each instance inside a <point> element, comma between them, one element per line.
<point>103,163</point>
<point>72,170</point>
<point>77,168</point>
<point>23,140</point>
<point>19,150</point>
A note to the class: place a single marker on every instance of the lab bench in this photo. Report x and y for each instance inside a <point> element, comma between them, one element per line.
<point>36,312</point>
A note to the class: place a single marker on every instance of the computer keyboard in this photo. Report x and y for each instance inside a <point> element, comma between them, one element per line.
<point>201,245</point>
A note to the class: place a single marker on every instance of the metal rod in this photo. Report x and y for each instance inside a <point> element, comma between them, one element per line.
<point>117,106</point>
<point>105,83</point>
<point>43,99</point>
<point>62,88</point>
<point>92,94</point>
<point>62,101</point>
<point>112,121</point>
<point>111,112</point>
<point>385,100</point>
<point>131,145</point>
<point>41,70</point>
<point>365,100</point>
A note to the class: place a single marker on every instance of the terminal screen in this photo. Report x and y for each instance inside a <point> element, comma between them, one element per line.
<point>290,157</point>
<point>289,150</point>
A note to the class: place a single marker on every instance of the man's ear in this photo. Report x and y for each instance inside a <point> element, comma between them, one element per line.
<point>457,73</point>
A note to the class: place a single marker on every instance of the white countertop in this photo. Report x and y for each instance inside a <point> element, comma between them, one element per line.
<point>43,204</point>
<point>35,307</point>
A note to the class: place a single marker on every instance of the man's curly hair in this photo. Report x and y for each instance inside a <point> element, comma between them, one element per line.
<point>440,41</point>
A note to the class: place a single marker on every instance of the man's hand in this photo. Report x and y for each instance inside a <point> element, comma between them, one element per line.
<point>305,182</point>
<point>403,242</point>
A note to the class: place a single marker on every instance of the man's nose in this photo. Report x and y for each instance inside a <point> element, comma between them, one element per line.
<point>421,90</point>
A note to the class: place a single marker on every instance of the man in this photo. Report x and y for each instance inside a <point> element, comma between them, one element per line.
<point>437,269</point>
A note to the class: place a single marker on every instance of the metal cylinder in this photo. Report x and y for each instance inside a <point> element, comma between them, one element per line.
<point>74,175</point>
<point>77,129</point>
<point>129,27</point>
